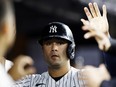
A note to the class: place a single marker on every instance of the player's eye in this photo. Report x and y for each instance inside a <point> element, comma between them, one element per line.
<point>60,42</point>
<point>48,43</point>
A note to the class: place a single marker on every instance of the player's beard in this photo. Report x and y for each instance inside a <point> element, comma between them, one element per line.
<point>56,64</point>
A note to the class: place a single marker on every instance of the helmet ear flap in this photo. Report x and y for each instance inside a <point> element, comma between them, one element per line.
<point>71,51</point>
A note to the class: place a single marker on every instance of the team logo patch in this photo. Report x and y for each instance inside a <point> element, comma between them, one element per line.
<point>53,29</point>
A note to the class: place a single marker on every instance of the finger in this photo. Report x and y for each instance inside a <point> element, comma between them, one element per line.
<point>28,65</point>
<point>85,22</point>
<point>92,9</point>
<point>23,62</point>
<point>85,28</point>
<point>26,60</point>
<point>23,59</point>
<point>97,9</point>
<point>30,70</point>
<point>88,14</point>
<point>104,11</point>
<point>90,35</point>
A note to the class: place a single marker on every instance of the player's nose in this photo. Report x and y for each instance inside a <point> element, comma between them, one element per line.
<point>54,46</point>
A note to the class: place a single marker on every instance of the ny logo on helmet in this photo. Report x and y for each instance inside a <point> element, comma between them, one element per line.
<point>53,29</point>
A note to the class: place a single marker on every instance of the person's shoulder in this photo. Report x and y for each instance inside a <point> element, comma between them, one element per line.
<point>45,74</point>
<point>28,80</point>
<point>29,77</point>
<point>32,76</point>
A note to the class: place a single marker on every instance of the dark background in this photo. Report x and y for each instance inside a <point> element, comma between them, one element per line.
<point>33,15</point>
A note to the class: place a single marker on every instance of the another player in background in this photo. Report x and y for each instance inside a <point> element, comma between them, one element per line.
<point>7,38</point>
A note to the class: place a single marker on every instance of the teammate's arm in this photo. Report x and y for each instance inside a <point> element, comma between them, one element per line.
<point>97,26</point>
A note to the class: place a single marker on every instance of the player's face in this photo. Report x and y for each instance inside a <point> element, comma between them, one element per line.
<point>55,52</point>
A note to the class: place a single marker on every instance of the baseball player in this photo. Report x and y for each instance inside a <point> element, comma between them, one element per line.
<point>58,47</point>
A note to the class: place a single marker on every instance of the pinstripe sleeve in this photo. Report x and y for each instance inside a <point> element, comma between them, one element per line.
<point>27,81</point>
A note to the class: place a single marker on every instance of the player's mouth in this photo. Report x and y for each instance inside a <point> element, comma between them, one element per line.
<point>54,56</point>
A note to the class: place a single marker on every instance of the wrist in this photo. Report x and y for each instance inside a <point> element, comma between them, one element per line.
<point>107,45</point>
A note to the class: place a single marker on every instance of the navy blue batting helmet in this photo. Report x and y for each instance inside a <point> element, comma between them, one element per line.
<point>59,30</point>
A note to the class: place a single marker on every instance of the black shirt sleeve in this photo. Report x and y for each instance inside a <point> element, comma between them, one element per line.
<point>112,49</point>
<point>110,83</point>
<point>110,59</point>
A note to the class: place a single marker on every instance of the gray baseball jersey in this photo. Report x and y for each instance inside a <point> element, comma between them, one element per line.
<point>71,79</point>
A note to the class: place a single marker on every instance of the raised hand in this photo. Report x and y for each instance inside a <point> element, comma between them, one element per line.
<point>97,26</point>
